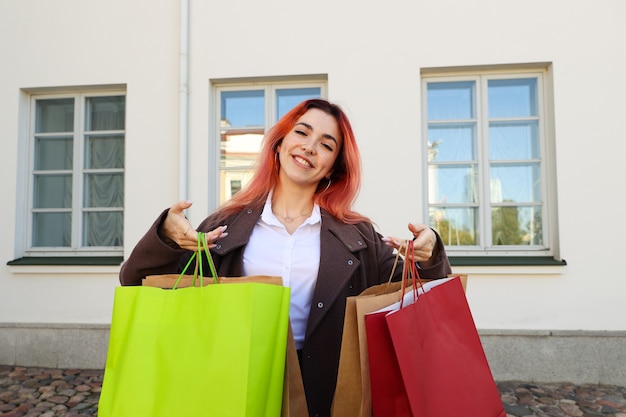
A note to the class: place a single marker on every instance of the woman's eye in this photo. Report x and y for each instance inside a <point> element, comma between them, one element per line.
<point>301,132</point>
<point>327,146</point>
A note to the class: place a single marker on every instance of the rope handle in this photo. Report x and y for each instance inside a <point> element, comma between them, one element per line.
<point>409,272</point>
<point>393,269</point>
<point>203,247</point>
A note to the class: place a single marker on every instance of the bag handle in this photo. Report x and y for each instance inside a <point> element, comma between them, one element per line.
<point>409,272</point>
<point>203,247</point>
<point>393,269</point>
<point>409,257</point>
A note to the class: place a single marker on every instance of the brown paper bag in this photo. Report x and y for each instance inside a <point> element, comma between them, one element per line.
<point>294,399</point>
<point>353,393</point>
<point>169,280</point>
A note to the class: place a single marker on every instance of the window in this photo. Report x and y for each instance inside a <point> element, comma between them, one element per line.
<point>76,184</point>
<point>487,150</point>
<point>244,112</point>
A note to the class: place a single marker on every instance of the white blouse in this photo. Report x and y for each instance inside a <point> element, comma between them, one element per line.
<point>295,257</point>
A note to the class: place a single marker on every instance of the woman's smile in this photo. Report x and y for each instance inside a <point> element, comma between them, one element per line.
<point>302,161</point>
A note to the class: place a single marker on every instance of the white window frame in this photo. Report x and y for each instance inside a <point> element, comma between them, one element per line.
<point>547,145</point>
<point>75,249</point>
<point>269,86</point>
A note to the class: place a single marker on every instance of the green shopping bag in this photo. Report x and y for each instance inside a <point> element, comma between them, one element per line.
<point>216,350</point>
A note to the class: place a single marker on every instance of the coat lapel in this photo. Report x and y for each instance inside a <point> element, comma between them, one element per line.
<point>340,244</point>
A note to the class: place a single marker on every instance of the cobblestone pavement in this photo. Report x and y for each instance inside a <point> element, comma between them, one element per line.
<point>45,392</point>
<point>523,399</point>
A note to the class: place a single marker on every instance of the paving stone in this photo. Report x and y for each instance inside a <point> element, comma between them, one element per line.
<point>45,392</point>
<point>517,410</point>
<point>570,408</point>
<point>609,410</point>
<point>29,392</point>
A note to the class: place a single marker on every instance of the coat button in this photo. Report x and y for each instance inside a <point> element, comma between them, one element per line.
<point>360,242</point>
<point>249,211</point>
<point>350,262</point>
<point>218,246</point>
<point>320,305</point>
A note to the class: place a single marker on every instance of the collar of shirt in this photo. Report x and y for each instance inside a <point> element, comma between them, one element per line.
<point>269,217</point>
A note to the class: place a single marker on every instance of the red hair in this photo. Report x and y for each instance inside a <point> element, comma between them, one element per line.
<point>345,183</point>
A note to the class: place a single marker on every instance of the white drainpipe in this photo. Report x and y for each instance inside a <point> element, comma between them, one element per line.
<point>183,129</point>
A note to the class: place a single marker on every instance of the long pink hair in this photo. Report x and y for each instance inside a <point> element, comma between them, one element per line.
<point>345,183</point>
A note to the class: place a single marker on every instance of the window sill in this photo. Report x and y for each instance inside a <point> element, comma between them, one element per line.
<point>78,265</point>
<point>507,266</point>
<point>68,260</point>
<point>505,261</point>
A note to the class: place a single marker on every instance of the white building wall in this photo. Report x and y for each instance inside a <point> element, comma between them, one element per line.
<point>74,43</point>
<point>372,55</point>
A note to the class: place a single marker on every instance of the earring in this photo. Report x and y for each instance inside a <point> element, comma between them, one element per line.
<point>327,185</point>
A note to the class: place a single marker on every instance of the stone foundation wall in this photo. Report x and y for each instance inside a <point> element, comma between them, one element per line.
<point>597,357</point>
<point>80,346</point>
<point>522,355</point>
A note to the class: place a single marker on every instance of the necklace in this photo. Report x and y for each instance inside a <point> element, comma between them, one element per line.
<point>289,219</point>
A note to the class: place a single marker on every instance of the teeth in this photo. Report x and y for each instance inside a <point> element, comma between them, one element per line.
<point>302,161</point>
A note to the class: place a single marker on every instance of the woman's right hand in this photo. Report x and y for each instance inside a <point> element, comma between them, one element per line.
<point>178,229</point>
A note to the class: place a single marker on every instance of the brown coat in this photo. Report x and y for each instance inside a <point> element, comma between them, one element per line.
<point>352,258</point>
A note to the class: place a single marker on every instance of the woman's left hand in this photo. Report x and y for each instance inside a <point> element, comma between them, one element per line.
<point>424,243</point>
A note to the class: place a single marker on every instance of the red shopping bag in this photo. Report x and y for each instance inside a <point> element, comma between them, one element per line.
<point>441,359</point>
<point>389,398</point>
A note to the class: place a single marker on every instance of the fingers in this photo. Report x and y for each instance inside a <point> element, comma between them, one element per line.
<point>423,236</point>
<point>189,240</point>
<point>180,206</point>
<point>424,241</point>
<point>393,242</point>
<point>215,235</point>
<point>177,228</point>
<point>417,228</point>
<point>399,244</point>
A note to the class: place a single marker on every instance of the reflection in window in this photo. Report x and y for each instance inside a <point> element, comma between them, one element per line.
<point>235,186</point>
<point>288,98</point>
<point>243,108</point>
<point>485,161</point>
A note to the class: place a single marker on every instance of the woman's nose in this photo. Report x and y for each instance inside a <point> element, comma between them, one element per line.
<point>308,148</point>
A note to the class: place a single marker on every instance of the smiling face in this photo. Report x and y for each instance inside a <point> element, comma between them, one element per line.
<point>308,152</point>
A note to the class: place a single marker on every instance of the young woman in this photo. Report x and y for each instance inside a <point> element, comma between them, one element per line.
<point>295,220</point>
